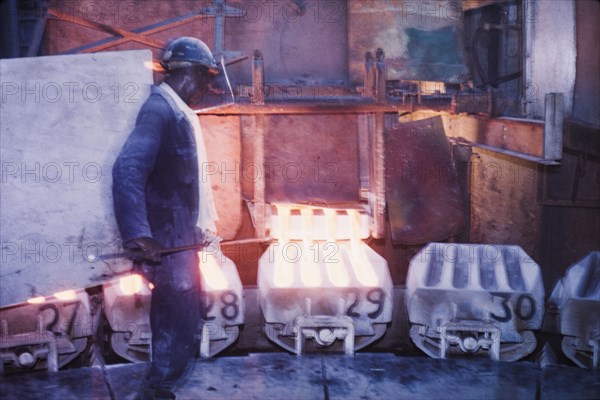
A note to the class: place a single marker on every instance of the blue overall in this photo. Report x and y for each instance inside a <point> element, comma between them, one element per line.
<point>155,191</point>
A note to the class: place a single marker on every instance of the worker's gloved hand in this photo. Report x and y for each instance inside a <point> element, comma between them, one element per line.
<point>210,240</point>
<point>144,248</point>
<point>209,237</point>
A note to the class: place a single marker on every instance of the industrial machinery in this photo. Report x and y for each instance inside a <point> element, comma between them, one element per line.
<point>50,332</point>
<point>377,134</point>
<point>223,311</point>
<point>577,297</point>
<point>474,299</point>
<point>127,309</point>
<point>46,332</point>
<point>319,282</point>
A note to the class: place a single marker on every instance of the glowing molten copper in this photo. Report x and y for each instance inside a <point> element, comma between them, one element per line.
<point>362,266</point>
<point>213,277</point>
<point>283,275</point>
<point>131,284</point>
<point>66,295</point>
<point>312,263</point>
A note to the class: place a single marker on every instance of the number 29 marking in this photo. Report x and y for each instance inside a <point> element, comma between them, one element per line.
<point>374,296</point>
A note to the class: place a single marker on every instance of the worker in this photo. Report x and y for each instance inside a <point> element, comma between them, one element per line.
<point>161,202</point>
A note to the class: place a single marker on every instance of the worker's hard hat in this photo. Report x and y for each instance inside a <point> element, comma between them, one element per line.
<point>186,51</point>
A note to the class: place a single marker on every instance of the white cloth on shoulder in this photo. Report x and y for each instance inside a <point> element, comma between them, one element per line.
<point>207,214</point>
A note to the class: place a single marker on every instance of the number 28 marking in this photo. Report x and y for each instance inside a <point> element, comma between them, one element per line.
<point>230,310</point>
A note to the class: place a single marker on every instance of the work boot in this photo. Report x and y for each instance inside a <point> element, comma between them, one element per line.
<point>147,392</point>
<point>155,394</point>
<point>164,394</point>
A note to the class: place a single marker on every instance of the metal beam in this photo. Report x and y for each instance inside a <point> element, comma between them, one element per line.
<point>106,28</point>
<point>144,31</point>
<point>206,12</point>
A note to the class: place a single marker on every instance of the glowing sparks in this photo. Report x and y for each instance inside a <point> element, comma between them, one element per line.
<point>154,66</point>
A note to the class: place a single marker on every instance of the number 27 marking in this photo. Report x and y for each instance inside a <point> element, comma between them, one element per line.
<point>56,315</point>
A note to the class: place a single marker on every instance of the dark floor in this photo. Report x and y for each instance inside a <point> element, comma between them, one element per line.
<point>282,376</point>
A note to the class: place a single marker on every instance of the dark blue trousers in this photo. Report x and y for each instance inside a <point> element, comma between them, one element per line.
<point>174,316</point>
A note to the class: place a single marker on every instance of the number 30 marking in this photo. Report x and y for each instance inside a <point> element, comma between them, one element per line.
<point>524,307</point>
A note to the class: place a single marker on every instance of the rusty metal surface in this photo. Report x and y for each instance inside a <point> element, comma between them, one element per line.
<point>518,135</point>
<point>424,201</point>
<point>422,40</point>
<point>64,35</point>
<point>575,182</point>
<point>222,137</point>
<point>346,106</point>
<point>311,159</point>
<point>504,207</point>
<point>302,42</point>
<point>586,101</point>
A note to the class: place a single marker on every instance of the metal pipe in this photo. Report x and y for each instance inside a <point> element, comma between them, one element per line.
<point>170,250</point>
<point>258,94</point>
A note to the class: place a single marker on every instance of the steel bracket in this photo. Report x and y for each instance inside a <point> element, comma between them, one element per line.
<point>325,330</point>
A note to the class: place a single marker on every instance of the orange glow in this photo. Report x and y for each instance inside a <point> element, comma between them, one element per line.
<point>151,285</point>
<point>284,217</point>
<point>309,267</point>
<point>283,275</point>
<point>362,267</point>
<point>154,65</point>
<point>331,216</point>
<point>37,300</point>
<point>307,224</point>
<point>320,263</point>
<point>310,273</point>
<point>65,295</point>
<point>212,274</point>
<point>131,284</point>
<point>336,271</point>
